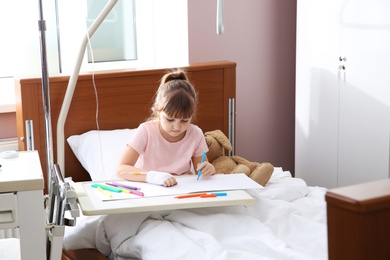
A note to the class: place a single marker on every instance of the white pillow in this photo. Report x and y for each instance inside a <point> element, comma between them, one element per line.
<point>99,151</point>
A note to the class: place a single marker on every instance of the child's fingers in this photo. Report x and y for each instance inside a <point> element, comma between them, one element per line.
<point>170,182</point>
<point>200,166</point>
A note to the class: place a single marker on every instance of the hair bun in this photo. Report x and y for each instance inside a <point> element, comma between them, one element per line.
<point>177,74</point>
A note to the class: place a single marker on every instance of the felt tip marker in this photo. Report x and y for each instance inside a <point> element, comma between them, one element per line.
<point>136,192</point>
<point>104,192</point>
<point>120,185</point>
<point>190,195</point>
<point>214,194</point>
<point>211,195</point>
<point>219,194</point>
<point>203,158</point>
<point>202,195</point>
<point>104,187</point>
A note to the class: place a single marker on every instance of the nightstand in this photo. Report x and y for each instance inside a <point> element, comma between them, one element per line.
<point>22,202</point>
<point>359,221</point>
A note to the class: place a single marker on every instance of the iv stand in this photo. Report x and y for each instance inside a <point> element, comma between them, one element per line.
<point>47,115</point>
<point>45,93</point>
<point>61,197</point>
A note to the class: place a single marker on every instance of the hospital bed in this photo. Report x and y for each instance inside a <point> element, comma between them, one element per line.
<point>288,219</point>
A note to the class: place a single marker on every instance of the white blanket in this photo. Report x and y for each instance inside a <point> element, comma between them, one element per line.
<point>288,221</point>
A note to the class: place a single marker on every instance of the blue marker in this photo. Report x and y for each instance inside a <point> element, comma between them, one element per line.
<point>203,158</point>
<point>219,193</point>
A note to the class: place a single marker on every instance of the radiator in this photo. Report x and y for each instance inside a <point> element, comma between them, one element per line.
<point>8,144</point>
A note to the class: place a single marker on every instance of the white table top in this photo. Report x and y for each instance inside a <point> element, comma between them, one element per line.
<point>22,173</point>
<point>93,205</point>
<point>161,198</point>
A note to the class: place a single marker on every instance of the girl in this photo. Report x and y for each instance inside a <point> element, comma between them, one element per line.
<point>166,144</point>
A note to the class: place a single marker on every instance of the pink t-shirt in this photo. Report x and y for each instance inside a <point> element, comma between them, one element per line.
<point>157,154</point>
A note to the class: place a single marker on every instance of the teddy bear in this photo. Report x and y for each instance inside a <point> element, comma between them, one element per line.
<point>217,143</point>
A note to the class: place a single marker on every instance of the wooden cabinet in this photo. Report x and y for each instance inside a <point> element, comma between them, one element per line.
<point>21,203</point>
<point>358,221</point>
<point>342,91</point>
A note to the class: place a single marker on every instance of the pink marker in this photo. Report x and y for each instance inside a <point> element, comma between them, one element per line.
<point>139,193</point>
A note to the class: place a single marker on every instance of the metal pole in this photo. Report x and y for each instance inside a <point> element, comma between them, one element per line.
<point>46,95</point>
<point>47,115</point>
<point>72,84</point>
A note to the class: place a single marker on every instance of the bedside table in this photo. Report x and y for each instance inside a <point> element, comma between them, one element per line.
<point>359,221</point>
<point>22,202</point>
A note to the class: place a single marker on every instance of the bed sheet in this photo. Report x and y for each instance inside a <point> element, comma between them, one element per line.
<point>288,221</point>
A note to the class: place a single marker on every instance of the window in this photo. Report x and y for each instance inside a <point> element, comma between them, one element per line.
<point>115,40</point>
<point>160,26</point>
<point>19,46</point>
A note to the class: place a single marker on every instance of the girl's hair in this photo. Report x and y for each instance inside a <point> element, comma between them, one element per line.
<point>175,96</point>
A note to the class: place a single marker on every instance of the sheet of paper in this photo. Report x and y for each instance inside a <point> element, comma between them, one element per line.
<point>186,184</point>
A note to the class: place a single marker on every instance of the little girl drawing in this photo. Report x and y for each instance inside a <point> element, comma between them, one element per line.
<point>165,145</point>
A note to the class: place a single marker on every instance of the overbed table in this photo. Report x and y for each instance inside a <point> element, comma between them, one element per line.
<point>91,204</point>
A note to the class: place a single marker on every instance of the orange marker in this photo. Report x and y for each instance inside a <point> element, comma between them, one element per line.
<point>190,195</point>
<point>212,195</point>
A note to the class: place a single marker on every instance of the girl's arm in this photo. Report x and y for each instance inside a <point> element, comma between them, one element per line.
<point>126,169</point>
<point>207,168</point>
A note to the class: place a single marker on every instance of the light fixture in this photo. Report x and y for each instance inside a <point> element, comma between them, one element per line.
<point>220,17</point>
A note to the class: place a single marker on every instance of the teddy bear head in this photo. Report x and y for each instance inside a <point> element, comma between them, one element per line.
<point>217,143</point>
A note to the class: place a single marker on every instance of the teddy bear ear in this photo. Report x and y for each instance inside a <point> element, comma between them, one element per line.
<point>221,138</point>
<point>208,141</point>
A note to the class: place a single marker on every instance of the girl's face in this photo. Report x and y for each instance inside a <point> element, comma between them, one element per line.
<point>173,129</point>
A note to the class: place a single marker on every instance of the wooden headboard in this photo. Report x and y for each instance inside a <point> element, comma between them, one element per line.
<point>125,98</point>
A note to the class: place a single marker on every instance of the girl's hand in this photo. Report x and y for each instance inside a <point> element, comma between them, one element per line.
<point>207,169</point>
<point>170,182</point>
<point>161,178</point>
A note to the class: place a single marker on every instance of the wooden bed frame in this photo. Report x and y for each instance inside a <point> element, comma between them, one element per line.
<point>125,98</point>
